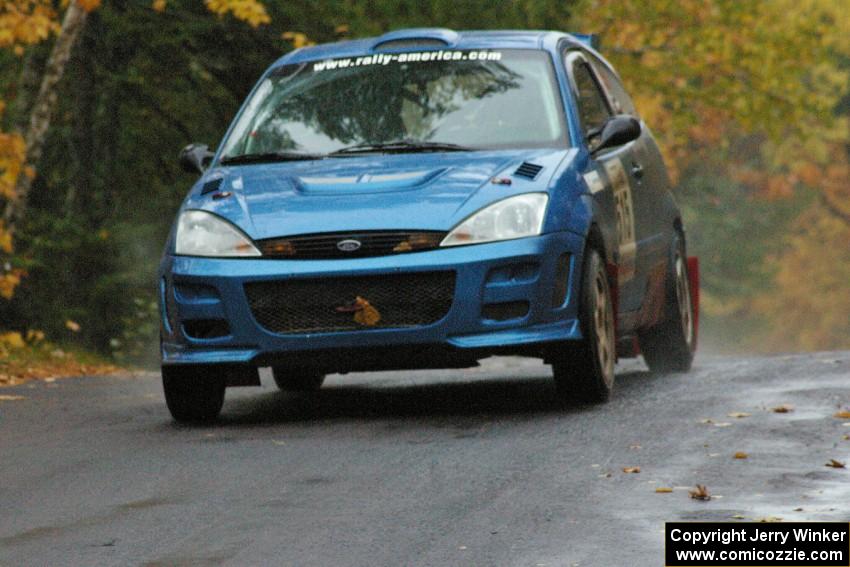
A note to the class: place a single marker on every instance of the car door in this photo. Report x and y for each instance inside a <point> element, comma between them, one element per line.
<point>651,194</point>
<point>611,171</point>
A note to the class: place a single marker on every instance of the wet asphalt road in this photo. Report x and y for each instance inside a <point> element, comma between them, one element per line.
<point>474,467</point>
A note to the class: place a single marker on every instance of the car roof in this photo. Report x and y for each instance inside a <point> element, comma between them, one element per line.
<point>472,39</point>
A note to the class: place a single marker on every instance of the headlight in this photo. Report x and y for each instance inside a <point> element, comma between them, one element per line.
<point>203,234</point>
<point>515,217</point>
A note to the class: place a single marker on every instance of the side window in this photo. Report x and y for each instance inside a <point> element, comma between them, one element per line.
<point>619,97</point>
<point>592,107</point>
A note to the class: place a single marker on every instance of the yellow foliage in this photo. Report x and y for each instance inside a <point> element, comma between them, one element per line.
<point>159,5</point>
<point>701,71</point>
<point>35,336</point>
<point>12,150</point>
<point>253,12</point>
<point>298,39</point>
<point>811,307</point>
<point>87,5</point>
<point>12,340</point>
<point>5,240</point>
<point>9,281</point>
<point>25,22</point>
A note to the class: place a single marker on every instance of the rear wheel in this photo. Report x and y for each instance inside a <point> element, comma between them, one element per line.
<point>669,346</point>
<point>584,371</point>
<point>193,394</point>
<point>297,379</point>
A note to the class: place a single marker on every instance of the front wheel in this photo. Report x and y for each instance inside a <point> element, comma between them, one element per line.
<point>297,379</point>
<point>669,346</point>
<point>193,395</point>
<point>584,371</point>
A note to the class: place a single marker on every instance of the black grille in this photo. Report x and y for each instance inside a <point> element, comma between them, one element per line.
<point>529,170</point>
<point>505,311</point>
<point>336,304</point>
<point>206,328</point>
<point>350,244</point>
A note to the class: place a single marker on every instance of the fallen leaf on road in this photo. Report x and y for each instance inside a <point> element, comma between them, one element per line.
<point>739,414</point>
<point>8,398</point>
<point>798,509</point>
<point>663,490</point>
<point>706,420</point>
<point>741,455</point>
<point>635,447</point>
<point>739,517</point>
<point>784,408</point>
<point>769,519</point>
<point>722,424</point>
<point>276,442</point>
<point>700,493</point>
<point>847,437</point>
<point>631,470</point>
<point>843,414</point>
<point>835,464</point>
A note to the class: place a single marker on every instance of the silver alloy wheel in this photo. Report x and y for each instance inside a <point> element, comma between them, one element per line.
<point>683,297</point>
<point>603,321</point>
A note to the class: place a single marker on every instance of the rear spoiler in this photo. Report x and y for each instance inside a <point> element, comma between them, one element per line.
<point>588,39</point>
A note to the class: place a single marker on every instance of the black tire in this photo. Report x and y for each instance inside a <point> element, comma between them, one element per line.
<point>584,371</point>
<point>297,379</point>
<point>670,345</point>
<point>193,394</point>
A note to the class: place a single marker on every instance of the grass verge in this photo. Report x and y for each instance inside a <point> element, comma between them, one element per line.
<point>46,361</point>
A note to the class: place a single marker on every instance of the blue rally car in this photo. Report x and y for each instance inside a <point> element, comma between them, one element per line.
<point>425,199</point>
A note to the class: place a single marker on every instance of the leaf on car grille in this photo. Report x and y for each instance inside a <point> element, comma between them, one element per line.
<point>366,314</point>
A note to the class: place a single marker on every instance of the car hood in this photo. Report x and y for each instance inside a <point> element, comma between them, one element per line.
<point>424,191</point>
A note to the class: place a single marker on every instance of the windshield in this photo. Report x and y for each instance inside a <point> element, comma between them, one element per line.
<point>472,99</point>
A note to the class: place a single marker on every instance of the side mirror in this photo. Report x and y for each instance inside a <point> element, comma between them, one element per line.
<point>195,158</point>
<point>618,130</point>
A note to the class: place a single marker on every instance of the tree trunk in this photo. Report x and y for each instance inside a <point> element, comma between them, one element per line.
<point>43,107</point>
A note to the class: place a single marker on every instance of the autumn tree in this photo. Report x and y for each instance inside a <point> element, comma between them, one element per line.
<point>28,22</point>
<point>748,93</point>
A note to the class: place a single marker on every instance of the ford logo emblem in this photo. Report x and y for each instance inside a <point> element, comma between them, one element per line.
<point>349,245</point>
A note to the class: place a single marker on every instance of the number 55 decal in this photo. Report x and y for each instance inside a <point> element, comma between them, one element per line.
<point>625,218</point>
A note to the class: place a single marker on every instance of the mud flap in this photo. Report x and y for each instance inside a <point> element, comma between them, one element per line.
<point>693,282</point>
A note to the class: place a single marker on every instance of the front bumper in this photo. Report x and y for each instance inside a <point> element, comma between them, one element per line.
<point>484,276</point>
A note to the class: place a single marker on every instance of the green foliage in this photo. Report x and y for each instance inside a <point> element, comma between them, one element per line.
<point>732,229</point>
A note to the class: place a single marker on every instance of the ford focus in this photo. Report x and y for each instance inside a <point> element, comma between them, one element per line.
<point>426,199</point>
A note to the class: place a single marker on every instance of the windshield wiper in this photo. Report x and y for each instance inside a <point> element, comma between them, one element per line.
<point>269,157</point>
<point>402,146</point>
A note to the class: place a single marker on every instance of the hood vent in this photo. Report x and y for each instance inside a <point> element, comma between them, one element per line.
<point>211,186</point>
<point>528,170</point>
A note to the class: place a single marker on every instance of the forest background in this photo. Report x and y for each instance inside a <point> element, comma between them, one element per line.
<point>750,102</point>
